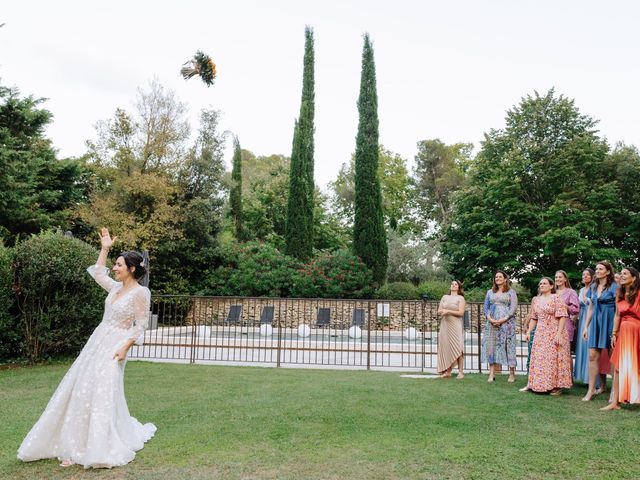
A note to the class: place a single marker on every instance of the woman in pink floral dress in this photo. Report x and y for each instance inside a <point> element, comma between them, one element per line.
<point>550,369</point>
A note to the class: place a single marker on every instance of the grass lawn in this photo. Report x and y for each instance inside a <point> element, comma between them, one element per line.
<point>264,423</point>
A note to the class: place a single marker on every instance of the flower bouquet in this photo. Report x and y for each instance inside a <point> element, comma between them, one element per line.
<point>201,64</point>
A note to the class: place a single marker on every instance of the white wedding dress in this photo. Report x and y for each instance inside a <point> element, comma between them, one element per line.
<point>87,420</point>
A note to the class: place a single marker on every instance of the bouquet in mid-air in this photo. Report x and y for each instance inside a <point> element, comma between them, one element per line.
<point>201,64</point>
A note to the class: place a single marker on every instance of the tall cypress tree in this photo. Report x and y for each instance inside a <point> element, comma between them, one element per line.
<point>235,196</point>
<point>299,224</point>
<point>369,236</point>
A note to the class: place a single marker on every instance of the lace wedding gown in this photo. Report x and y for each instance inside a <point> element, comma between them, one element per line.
<point>87,420</point>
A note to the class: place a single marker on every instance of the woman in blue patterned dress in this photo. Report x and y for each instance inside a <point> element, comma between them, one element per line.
<point>599,322</point>
<point>499,340</point>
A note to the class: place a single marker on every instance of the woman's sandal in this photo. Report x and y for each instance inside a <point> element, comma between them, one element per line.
<point>67,463</point>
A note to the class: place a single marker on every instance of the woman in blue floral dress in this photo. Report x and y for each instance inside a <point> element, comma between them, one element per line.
<point>499,340</point>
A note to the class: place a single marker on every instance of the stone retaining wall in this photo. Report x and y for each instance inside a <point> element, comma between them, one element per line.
<point>378,314</point>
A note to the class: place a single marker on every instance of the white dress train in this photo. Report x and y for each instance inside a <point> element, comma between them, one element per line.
<point>87,420</point>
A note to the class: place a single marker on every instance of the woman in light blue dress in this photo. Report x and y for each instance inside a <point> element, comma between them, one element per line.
<point>581,368</point>
<point>499,340</point>
<point>599,322</point>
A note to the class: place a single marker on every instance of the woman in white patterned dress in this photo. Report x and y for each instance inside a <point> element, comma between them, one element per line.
<point>87,421</point>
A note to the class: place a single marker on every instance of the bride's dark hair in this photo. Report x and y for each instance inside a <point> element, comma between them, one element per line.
<point>135,259</point>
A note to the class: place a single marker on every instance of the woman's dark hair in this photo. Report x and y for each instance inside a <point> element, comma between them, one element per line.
<point>551,282</point>
<point>505,286</point>
<point>135,259</point>
<point>610,276</point>
<point>632,293</point>
<point>567,283</point>
<point>590,271</point>
<point>460,289</point>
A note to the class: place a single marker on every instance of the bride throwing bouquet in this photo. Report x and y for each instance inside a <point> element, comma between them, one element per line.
<point>87,421</point>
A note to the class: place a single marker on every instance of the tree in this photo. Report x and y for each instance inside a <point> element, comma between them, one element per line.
<point>265,194</point>
<point>329,233</point>
<point>413,259</point>
<point>265,199</point>
<point>369,237</point>
<point>438,173</point>
<point>202,172</point>
<point>140,208</point>
<point>36,189</point>
<point>394,186</point>
<point>157,192</point>
<point>235,196</point>
<point>626,159</point>
<point>258,168</point>
<point>181,263</point>
<point>151,141</point>
<point>543,194</point>
<point>299,224</point>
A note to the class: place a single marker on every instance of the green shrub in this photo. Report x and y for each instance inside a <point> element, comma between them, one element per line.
<point>59,303</point>
<point>476,294</point>
<point>338,274</point>
<point>524,294</point>
<point>434,289</point>
<point>398,291</point>
<point>253,269</point>
<point>9,332</point>
<point>259,269</point>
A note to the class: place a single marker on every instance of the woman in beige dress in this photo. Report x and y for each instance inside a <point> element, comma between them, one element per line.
<point>451,336</point>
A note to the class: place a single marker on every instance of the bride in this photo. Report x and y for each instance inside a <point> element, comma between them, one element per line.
<point>87,420</point>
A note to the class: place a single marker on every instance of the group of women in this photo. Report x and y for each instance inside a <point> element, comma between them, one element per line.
<point>602,322</point>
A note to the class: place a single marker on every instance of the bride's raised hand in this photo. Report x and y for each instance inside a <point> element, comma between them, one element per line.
<point>105,239</point>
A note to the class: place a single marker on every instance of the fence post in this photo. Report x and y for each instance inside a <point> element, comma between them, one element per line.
<point>479,326</point>
<point>194,333</point>
<point>423,305</point>
<point>280,332</point>
<point>369,336</point>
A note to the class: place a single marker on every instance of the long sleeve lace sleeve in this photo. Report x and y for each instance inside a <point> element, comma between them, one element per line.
<point>487,303</point>
<point>101,275</point>
<point>141,306</point>
<point>513,303</point>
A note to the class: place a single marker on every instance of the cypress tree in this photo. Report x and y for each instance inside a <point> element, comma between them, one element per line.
<point>299,223</point>
<point>369,236</point>
<point>235,195</point>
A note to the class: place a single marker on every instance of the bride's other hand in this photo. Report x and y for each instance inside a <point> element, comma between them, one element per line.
<point>120,354</point>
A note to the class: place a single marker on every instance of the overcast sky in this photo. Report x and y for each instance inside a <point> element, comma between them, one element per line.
<point>445,69</point>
